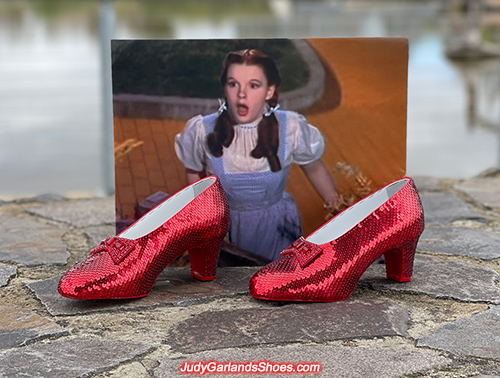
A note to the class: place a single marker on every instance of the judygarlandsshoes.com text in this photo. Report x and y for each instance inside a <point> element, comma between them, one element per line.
<point>250,367</point>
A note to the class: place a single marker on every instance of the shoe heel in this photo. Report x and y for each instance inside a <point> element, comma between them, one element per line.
<point>399,261</point>
<point>204,260</point>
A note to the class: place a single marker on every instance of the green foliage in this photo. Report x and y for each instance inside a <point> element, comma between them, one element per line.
<point>192,68</point>
<point>490,33</point>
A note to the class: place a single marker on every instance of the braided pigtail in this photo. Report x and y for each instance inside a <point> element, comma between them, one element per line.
<point>268,142</point>
<point>222,135</point>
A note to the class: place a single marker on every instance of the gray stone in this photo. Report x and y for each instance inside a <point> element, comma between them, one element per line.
<point>483,190</point>
<point>336,361</point>
<point>461,241</point>
<point>6,273</point>
<point>427,184</point>
<point>78,213</point>
<point>288,324</point>
<point>174,287</point>
<point>477,335</point>
<point>98,234</point>
<point>441,279</point>
<point>20,326</point>
<point>69,358</point>
<point>445,208</point>
<point>31,243</point>
<point>49,197</point>
<point>489,172</point>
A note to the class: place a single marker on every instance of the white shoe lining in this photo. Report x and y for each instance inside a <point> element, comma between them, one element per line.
<point>350,217</point>
<point>166,210</point>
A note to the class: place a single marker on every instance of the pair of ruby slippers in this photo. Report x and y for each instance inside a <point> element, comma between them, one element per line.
<point>323,267</point>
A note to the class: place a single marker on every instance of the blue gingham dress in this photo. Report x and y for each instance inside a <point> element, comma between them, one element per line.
<point>264,218</point>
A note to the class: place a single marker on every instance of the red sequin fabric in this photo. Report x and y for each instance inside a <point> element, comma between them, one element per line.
<point>128,268</point>
<point>329,272</point>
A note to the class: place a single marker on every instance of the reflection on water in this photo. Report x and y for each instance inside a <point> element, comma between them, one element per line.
<point>51,126</point>
<point>482,82</point>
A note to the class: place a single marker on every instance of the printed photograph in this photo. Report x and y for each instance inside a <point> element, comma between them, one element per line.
<point>296,130</point>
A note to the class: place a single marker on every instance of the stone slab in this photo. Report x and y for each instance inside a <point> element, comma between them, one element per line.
<point>488,172</point>
<point>444,208</point>
<point>20,326</point>
<point>6,273</point>
<point>427,184</point>
<point>98,234</point>
<point>461,241</point>
<point>174,287</point>
<point>477,335</point>
<point>48,197</point>
<point>440,278</point>
<point>336,361</point>
<point>79,357</point>
<point>483,190</point>
<point>296,322</point>
<point>78,213</point>
<point>31,243</point>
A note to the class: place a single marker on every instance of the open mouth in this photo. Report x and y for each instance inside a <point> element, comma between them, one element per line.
<point>242,110</point>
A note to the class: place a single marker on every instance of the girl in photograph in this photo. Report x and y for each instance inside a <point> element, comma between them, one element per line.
<point>250,145</point>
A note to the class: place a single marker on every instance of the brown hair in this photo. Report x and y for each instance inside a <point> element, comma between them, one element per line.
<point>268,128</point>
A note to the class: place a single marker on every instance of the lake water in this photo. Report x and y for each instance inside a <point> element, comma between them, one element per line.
<point>51,97</point>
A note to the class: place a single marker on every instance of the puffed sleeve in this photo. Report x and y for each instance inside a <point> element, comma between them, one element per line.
<point>190,144</point>
<point>309,143</point>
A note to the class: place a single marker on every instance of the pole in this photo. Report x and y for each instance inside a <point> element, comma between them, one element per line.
<point>106,31</point>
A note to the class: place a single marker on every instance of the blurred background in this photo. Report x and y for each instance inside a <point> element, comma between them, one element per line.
<point>55,85</point>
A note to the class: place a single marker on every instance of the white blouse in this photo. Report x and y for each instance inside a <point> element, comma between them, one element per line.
<point>304,145</point>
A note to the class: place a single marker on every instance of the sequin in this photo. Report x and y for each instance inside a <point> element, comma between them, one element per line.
<point>329,272</point>
<point>128,268</point>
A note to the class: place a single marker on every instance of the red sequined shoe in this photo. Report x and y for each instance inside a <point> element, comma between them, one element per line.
<point>326,266</point>
<point>195,219</point>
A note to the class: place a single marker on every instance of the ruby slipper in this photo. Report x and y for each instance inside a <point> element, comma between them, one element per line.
<point>195,219</point>
<point>327,265</point>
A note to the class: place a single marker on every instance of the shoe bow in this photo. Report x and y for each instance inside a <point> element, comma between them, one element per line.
<point>118,248</point>
<point>304,251</point>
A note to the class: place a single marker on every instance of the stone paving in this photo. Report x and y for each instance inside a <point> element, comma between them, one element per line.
<point>31,243</point>
<point>460,241</point>
<point>484,190</point>
<point>25,326</point>
<point>445,208</point>
<point>174,287</point>
<point>441,278</point>
<point>443,323</point>
<point>467,336</point>
<point>6,273</point>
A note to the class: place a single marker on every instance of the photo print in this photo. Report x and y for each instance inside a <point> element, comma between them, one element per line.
<point>296,130</point>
